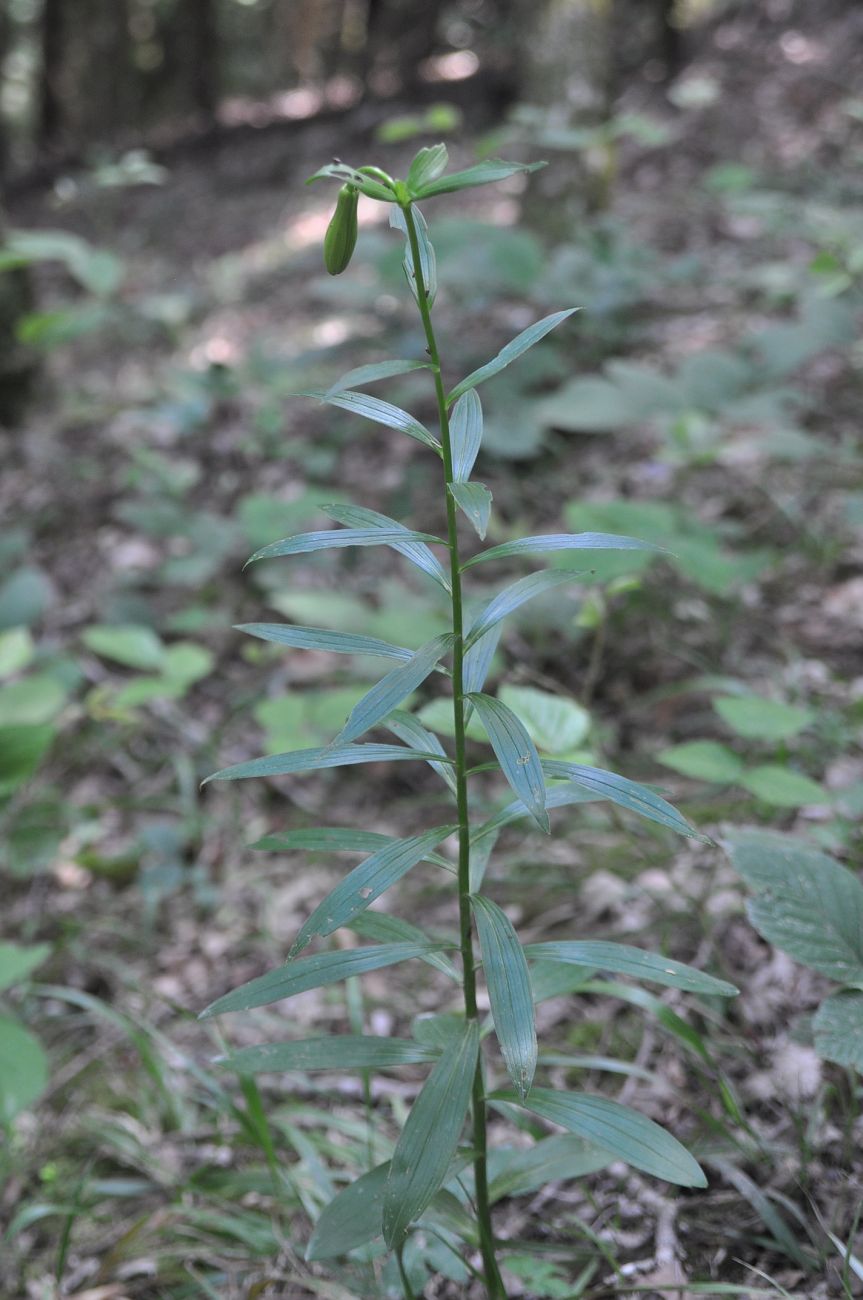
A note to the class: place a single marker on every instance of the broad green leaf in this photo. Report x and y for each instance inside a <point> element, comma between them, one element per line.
<point>556,796</point>
<point>372,408</point>
<point>508,981</point>
<point>352,1218</point>
<point>337,1052</point>
<point>130,644</point>
<point>392,689</point>
<point>367,882</point>
<point>555,725</point>
<point>484,173</point>
<point>323,839</point>
<point>32,700</point>
<point>21,750</point>
<point>16,650</point>
<point>508,600</point>
<point>465,431</point>
<point>617,1129</point>
<point>428,261</point>
<point>513,350</point>
<point>516,754</point>
<point>430,1136</point>
<point>321,638</point>
<point>373,189</point>
<point>372,373</point>
<point>335,538</point>
<point>427,166</point>
<point>782,787</point>
<point>554,1159</point>
<point>18,960</point>
<point>623,959</point>
<point>409,729</point>
<point>313,760</point>
<point>313,973</point>
<point>474,501</point>
<point>477,660</point>
<point>417,552</point>
<point>806,903</point>
<point>589,404</point>
<point>705,760</point>
<point>759,719</point>
<point>23,1069</point>
<point>383,928</point>
<point>545,545</point>
<point>627,794</point>
<point>838,1029</point>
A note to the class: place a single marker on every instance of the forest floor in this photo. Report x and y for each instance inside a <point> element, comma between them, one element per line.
<point>706,397</point>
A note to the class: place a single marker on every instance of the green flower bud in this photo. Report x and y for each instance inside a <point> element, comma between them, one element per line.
<point>341,237</point>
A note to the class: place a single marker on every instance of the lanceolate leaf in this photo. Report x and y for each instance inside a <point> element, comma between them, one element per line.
<point>508,981</point>
<point>562,542</point>
<point>349,175</point>
<point>551,1160</point>
<point>474,500</point>
<point>381,927</point>
<point>325,839</point>
<point>391,690</point>
<point>484,173</point>
<point>627,794</point>
<point>352,1218</point>
<point>508,600</point>
<point>321,638</point>
<point>313,973</point>
<point>417,552</point>
<point>427,166</point>
<point>511,352</point>
<point>337,1052</point>
<point>367,882</point>
<point>516,754</point>
<point>477,660</point>
<point>372,408</point>
<point>627,960</point>
<point>428,262</point>
<point>409,729</point>
<point>312,760</point>
<point>336,538</point>
<point>465,431</point>
<point>615,1128</point>
<point>371,373</point>
<point>556,796</point>
<point>430,1136</point>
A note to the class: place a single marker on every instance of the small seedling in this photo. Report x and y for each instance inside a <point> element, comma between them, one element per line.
<point>434,1170</point>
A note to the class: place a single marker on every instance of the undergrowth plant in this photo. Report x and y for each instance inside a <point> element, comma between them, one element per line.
<point>437,1176</point>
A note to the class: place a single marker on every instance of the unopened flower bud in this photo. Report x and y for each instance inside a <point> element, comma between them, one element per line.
<point>341,237</point>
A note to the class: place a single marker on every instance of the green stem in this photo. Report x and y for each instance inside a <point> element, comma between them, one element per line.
<point>494,1282</point>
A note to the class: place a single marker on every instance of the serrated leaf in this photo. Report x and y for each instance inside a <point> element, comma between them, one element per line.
<point>428,261</point>
<point>508,981</point>
<point>335,538</point>
<point>370,374</point>
<point>312,973</point>
<point>556,725</point>
<point>383,928</point>
<point>782,787</point>
<point>393,689</point>
<point>624,959</point>
<point>516,754</point>
<point>409,729</point>
<point>474,501</point>
<point>23,1069</point>
<point>625,793</point>
<point>415,551</point>
<point>758,719</point>
<point>626,1134</point>
<point>838,1029</point>
<point>359,889</point>
<point>18,960</point>
<point>350,176</point>
<point>430,1136</point>
<point>516,594</point>
<point>313,760</point>
<point>352,1218</point>
<point>554,1159</point>
<point>511,352</point>
<point>426,167</point>
<point>807,903</point>
<point>337,1052</point>
<point>484,173</point>
<point>547,543</point>
<point>372,408</point>
<point>465,432</point>
<point>705,760</point>
<point>322,638</point>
